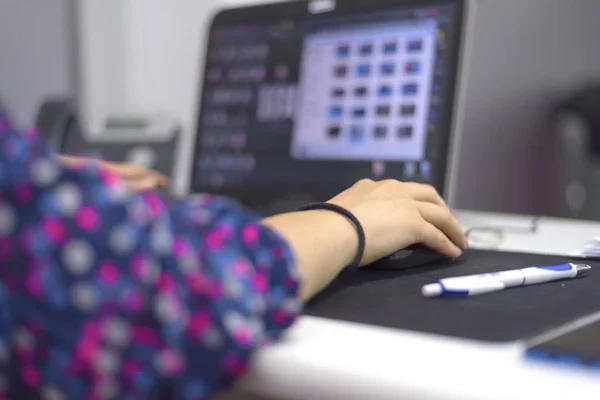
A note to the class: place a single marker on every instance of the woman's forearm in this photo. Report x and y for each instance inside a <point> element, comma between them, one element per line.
<point>324,243</point>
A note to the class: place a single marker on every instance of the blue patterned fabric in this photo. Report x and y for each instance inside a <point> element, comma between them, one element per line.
<point>110,294</point>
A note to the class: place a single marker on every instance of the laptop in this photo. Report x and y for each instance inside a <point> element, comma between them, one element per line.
<point>301,99</point>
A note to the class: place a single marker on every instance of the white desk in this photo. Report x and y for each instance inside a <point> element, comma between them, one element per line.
<point>326,359</point>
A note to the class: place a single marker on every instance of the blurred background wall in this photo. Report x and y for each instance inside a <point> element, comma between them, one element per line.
<point>37,53</point>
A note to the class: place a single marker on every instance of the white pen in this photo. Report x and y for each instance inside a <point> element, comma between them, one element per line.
<point>472,285</point>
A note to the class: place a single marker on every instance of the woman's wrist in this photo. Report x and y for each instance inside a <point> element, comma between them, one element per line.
<point>323,242</point>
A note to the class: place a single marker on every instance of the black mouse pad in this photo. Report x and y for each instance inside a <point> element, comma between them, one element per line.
<point>393,299</point>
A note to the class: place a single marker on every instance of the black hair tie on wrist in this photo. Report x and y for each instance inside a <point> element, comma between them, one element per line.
<point>359,229</point>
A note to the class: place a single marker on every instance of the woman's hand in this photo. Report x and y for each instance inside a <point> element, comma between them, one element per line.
<point>394,216</point>
<point>137,177</point>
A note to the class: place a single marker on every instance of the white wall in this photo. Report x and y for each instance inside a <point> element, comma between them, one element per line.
<point>37,53</point>
<point>103,69</point>
<point>525,53</point>
<point>167,45</point>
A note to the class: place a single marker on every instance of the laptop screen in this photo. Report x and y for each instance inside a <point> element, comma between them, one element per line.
<point>295,102</point>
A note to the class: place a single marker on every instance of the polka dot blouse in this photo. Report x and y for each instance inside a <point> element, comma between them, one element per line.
<point>110,294</point>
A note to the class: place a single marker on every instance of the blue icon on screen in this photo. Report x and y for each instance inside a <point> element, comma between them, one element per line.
<point>366,50</point>
<point>341,71</point>
<point>408,110</point>
<point>361,91</point>
<point>413,67</point>
<point>359,112</point>
<point>363,70</point>
<point>334,132</point>
<point>415,46</point>
<point>357,134</point>
<point>383,110</point>
<point>335,111</point>
<point>388,69</point>
<point>390,48</point>
<point>343,51</point>
<point>338,93</point>
<point>380,132</point>
<point>405,132</point>
<point>385,91</point>
<point>409,89</point>
<point>425,168</point>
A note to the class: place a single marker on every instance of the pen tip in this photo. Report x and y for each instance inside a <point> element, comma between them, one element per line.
<point>582,268</point>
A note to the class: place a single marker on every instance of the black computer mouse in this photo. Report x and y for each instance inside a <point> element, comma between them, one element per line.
<point>416,255</point>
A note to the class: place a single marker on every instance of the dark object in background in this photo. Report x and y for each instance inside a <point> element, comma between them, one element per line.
<point>575,184</point>
<point>56,120</point>
<point>585,105</point>
<point>121,140</point>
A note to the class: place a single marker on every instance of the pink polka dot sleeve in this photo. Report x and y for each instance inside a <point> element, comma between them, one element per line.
<point>109,294</point>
